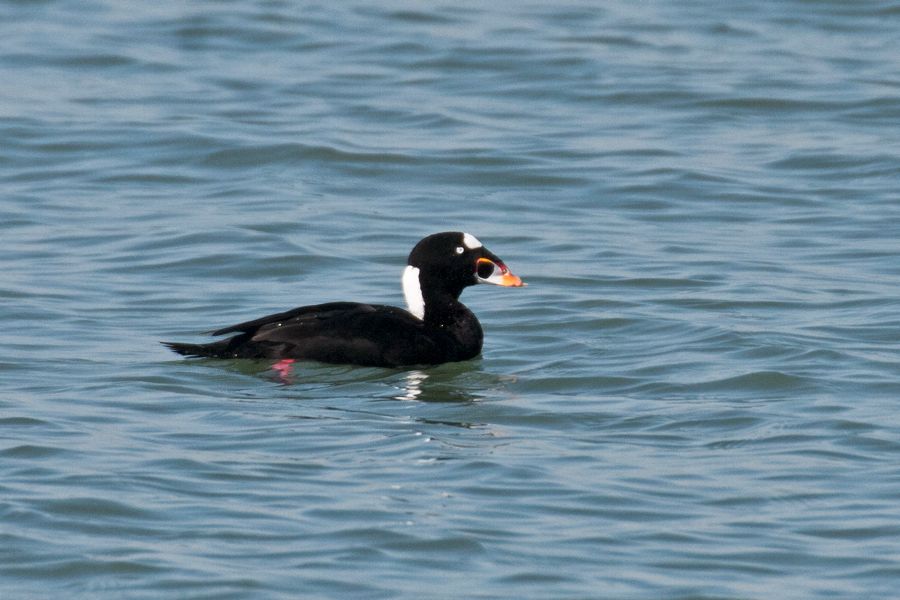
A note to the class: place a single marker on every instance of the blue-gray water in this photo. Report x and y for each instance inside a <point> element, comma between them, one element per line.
<point>696,396</point>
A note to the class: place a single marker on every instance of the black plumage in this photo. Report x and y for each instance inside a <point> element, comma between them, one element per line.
<point>437,328</point>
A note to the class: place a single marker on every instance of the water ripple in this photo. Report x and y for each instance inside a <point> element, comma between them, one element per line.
<point>693,398</point>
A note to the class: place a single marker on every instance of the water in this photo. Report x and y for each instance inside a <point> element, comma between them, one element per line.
<point>695,397</point>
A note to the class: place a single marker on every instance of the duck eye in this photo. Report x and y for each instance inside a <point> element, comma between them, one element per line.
<point>460,249</point>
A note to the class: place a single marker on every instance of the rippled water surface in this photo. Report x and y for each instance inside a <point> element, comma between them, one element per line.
<point>695,397</point>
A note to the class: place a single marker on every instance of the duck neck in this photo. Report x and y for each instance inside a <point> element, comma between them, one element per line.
<point>440,310</point>
<point>454,321</point>
<point>432,301</point>
<point>444,310</point>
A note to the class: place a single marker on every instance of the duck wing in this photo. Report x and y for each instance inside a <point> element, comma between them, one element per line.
<point>340,332</point>
<point>315,311</point>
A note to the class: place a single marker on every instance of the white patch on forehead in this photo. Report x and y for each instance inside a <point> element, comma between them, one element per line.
<point>412,292</point>
<point>471,242</point>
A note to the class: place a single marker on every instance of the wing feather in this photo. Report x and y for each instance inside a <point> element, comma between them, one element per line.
<point>313,310</point>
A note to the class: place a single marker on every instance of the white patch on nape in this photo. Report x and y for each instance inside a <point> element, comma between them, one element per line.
<point>412,292</point>
<point>471,242</point>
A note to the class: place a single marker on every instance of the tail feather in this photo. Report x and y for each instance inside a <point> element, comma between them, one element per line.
<point>212,350</point>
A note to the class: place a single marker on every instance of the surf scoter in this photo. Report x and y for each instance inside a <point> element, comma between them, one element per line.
<point>436,328</point>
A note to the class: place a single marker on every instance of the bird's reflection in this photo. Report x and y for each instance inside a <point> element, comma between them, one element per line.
<point>412,388</point>
<point>458,382</point>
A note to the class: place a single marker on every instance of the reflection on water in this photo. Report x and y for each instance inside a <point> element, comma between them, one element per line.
<point>457,382</point>
<point>452,382</point>
<point>462,382</point>
<point>447,383</point>
<point>413,385</point>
